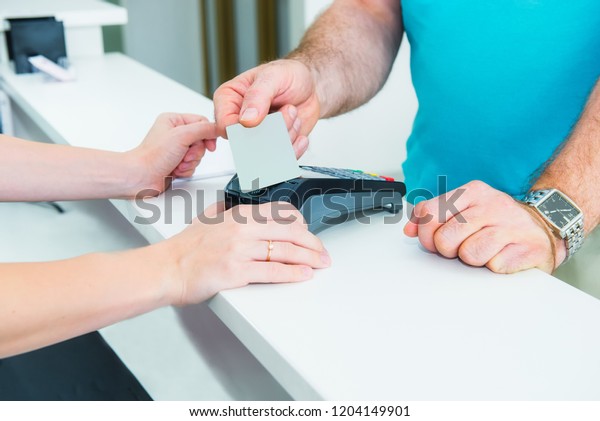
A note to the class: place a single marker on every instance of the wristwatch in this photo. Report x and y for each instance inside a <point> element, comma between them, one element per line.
<point>561,213</point>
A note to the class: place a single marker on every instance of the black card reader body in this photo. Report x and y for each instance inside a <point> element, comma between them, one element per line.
<point>326,196</point>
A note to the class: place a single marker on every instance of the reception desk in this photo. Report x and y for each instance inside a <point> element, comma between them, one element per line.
<point>387,321</point>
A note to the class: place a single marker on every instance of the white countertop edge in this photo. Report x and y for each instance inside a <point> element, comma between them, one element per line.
<point>271,358</point>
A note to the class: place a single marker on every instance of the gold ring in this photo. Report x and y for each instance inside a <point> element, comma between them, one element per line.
<point>269,249</point>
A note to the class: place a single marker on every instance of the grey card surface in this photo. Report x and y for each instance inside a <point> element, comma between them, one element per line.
<point>263,155</point>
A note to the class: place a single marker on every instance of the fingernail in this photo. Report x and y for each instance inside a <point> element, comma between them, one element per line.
<point>307,273</point>
<point>303,143</point>
<point>297,125</point>
<point>293,112</point>
<point>300,147</point>
<point>249,115</point>
<point>325,258</point>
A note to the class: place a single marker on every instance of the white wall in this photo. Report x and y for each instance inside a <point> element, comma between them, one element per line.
<point>372,137</point>
<point>166,38</point>
<point>246,34</point>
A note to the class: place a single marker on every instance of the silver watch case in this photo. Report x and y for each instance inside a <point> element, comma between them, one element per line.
<point>572,232</point>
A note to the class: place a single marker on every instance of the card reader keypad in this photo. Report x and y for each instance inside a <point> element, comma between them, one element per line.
<point>346,173</point>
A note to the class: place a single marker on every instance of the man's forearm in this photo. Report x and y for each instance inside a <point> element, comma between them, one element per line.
<point>350,50</point>
<point>576,169</point>
<point>32,171</point>
<point>44,303</point>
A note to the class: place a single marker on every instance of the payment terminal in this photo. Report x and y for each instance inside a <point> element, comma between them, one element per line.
<point>326,196</point>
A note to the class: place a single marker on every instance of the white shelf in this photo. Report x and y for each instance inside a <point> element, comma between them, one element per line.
<point>73,13</point>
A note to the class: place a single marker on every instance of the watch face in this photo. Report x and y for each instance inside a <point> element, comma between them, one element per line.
<point>558,210</point>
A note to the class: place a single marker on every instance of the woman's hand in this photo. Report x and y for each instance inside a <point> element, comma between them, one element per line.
<point>226,250</point>
<point>173,147</point>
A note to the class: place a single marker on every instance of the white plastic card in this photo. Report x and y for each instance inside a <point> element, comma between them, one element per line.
<point>263,155</point>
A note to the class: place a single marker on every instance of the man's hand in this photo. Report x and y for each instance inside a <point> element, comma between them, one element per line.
<point>485,227</point>
<point>283,85</point>
<point>173,147</point>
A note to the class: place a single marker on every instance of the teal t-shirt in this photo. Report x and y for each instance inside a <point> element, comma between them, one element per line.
<point>500,85</point>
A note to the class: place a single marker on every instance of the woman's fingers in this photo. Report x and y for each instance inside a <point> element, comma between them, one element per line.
<point>289,253</point>
<point>271,272</point>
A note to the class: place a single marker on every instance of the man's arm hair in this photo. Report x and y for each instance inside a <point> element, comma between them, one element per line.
<point>575,169</point>
<point>350,50</point>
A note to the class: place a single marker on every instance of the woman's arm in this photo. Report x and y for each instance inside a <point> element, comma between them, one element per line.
<point>31,171</point>
<point>45,303</point>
